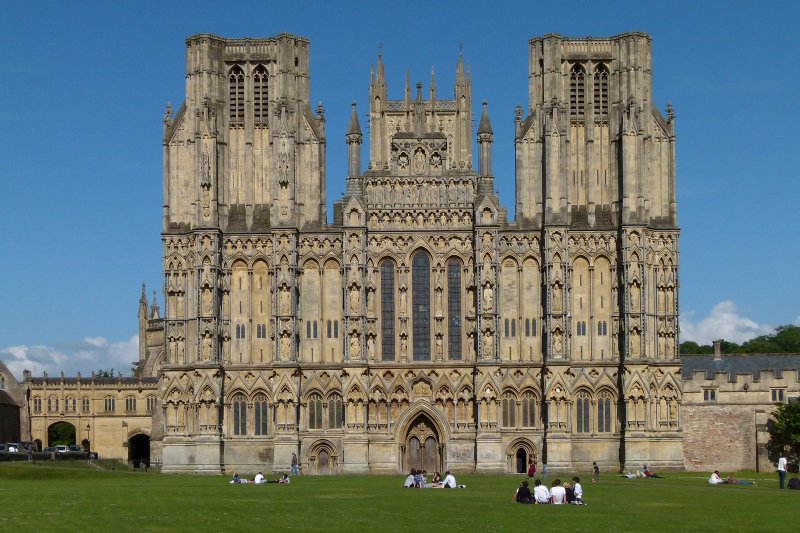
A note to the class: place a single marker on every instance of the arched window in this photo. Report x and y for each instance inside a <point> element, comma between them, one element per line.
<point>335,412</point>
<point>261,414</point>
<point>577,88</point>
<point>509,410</point>
<point>260,97</point>
<point>130,404</point>
<point>604,413</point>
<point>528,410</point>
<point>527,327</point>
<point>533,327</point>
<point>109,404</point>
<point>387,311</point>
<point>2,381</point>
<point>454,342</point>
<point>329,330</point>
<point>421,310</point>
<point>601,90</point>
<point>315,411</point>
<point>315,329</point>
<point>308,329</point>
<point>506,330</point>
<point>513,327</point>
<point>236,96</point>
<point>239,415</point>
<point>151,404</point>
<point>52,405</point>
<point>85,403</point>
<point>335,329</point>
<point>37,404</point>
<point>582,413</point>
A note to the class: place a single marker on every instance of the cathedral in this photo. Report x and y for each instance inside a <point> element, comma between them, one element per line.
<point>416,326</point>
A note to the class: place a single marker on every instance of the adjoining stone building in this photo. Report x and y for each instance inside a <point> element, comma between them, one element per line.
<point>421,327</point>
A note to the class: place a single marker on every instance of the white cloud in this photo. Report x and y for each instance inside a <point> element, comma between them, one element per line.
<point>85,356</point>
<point>723,322</point>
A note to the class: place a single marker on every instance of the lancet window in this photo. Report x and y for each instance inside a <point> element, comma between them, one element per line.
<point>577,88</point>
<point>387,311</point>
<point>421,301</point>
<point>260,97</point>
<point>601,90</point>
<point>236,97</point>
<point>454,312</point>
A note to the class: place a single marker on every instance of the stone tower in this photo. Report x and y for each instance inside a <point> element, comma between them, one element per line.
<point>596,176</point>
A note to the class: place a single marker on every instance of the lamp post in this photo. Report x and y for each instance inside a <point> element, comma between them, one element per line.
<point>88,440</point>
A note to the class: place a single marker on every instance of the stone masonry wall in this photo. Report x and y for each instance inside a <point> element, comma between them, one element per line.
<point>719,437</point>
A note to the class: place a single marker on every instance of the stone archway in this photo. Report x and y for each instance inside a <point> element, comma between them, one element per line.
<point>421,447</point>
<point>323,459</point>
<point>139,450</point>
<point>519,454</point>
<point>61,433</point>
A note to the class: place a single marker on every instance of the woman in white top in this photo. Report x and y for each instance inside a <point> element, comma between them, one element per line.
<point>558,493</point>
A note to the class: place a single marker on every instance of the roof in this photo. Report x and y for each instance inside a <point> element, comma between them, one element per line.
<point>733,365</point>
<point>6,399</point>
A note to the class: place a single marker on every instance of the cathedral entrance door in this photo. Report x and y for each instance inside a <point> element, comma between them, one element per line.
<point>422,446</point>
<point>522,463</point>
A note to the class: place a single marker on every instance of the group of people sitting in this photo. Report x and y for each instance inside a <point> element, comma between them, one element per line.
<point>418,479</point>
<point>259,479</point>
<point>716,479</point>
<point>558,494</point>
<point>644,472</point>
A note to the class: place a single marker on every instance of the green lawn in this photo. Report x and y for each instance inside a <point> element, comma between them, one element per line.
<point>73,497</point>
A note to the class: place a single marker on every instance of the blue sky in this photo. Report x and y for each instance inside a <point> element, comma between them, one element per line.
<point>85,84</point>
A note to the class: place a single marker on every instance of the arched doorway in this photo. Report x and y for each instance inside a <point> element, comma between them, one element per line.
<point>520,454</point>
<point>522,461</point>
<point>421,449</point>
<point>139,450</point>
<point>322,458</point>
<point>61,433</point>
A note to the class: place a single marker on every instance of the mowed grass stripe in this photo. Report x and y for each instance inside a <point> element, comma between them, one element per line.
<point>46,497</point>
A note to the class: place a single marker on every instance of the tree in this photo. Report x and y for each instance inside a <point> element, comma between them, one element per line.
<point>784,432</point>
<point>104,373</point>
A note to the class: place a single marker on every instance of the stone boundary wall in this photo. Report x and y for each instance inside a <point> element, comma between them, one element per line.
<point>719,437</point>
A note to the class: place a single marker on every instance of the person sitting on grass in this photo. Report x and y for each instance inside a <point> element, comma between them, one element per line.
<point>283,479</point>
<point>570,492</point>
<point>409,482</point>
<point>523,494</point>
<point>449,481</point>
<point>418,480</point>
<point>540,492</point>
<point>715,479</point>
<point>794,483</point>
<point>558,494</point>
<point>577,490</point>
<point>259,479</point>
<point>237,479</point>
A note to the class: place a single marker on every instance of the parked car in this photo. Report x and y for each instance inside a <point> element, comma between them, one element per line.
<point>61,448</point>
<point>75,448</point>
<point>49,449</point>
<point>3,448</point>
<point>13,447</point>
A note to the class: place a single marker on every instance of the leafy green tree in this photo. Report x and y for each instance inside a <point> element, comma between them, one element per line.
<point>784,432</point>
<point>104,373</point>
<point>61,433</point>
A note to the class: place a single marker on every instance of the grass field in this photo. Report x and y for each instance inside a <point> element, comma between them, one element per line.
<point>75,497</point>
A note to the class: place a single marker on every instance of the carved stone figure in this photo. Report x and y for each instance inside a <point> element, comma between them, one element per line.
<point>488,297</point>
<point>286,347</point>
<point>355,347</point>
<point>285,301</point>
<point>371,347</point>
<point>355,300</point>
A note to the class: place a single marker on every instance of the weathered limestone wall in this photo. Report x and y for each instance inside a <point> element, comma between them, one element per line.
<point>719,437</point>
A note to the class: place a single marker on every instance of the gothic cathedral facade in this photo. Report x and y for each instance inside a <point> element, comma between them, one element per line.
<point>420,328</point>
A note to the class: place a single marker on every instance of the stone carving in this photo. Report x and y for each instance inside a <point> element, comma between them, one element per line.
<point>488,297</point>
<point>355,347</point>
<point>355,300</point>
<point>285,301</point>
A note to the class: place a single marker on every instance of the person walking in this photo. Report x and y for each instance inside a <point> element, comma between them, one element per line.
<point>782,470</point>
<point>295,467</point>
<point>595,472</point>
<point>531,468</point>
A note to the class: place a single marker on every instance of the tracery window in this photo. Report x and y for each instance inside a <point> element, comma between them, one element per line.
<point>37,405</point>
<point>239,415</point>
<point>421,310</point>
<point>52,405</point>
<point>580,328</point>
<point>604,413</point>
<point>387,311</point>
<point>109,404</point>
<point>601,90</point>
<point>85,404</point>
<point>335,412</point>
<point>577,88</point>
<point>151,403</point>
<point>261,414</point>
<point>582,413</point>
<point>454,310</point>
<point>509,410</point>
<point>130,404</point>
<point>69,405</point>
<point>602,328</point>
<point>236,97</point>
<point>528,410</point>
<point>315,411</point>
<point>260,96</point>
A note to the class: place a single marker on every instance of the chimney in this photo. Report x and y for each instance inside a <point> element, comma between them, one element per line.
<point>717,349</point>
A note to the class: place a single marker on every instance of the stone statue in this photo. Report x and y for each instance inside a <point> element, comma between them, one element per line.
<point>558,344</point>
<point>285,347</point>
<point>403,346</point>
<point>488,297</point>
<point>355,348</point>
<point>402,300</point>
<point>371,347</point>
<point>488,342</point>
<point>206,347</point>
<point>285,301</point>
<point>355,300</point>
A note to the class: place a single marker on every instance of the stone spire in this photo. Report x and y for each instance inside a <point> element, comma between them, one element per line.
<point>485,140</point>
<point>155,312</point>
<point>354,139</point>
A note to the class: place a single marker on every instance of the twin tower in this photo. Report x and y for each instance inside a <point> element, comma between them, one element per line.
<point>420,328</point>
